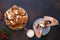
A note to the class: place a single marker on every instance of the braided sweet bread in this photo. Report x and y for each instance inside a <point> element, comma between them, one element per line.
<point>16,17</point>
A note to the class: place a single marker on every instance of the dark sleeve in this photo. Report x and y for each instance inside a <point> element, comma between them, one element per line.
<point>35,38</point>
<point>59,21</point>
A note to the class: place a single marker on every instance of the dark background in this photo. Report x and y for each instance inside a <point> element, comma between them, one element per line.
<point>35,10</point>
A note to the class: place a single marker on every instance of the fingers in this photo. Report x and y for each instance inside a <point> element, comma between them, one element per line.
<point>35,27</point>
<point>38,33</point>
<point>48,18</point>
<point>52,20</point>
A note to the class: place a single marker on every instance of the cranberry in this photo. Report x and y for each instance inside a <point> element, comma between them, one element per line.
<point>6,38</point>
<point>3,35</point>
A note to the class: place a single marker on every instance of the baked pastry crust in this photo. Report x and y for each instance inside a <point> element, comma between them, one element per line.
<point>16,17</point>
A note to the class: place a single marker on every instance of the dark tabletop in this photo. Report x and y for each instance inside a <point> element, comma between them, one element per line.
<point>35,9</point>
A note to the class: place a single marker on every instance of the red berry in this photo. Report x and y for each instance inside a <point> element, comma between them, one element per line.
<point>6,38</point>
<point>3,35</point>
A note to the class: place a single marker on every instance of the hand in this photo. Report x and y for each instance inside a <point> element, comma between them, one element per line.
<point>38,33</point>
<point>52,20</point>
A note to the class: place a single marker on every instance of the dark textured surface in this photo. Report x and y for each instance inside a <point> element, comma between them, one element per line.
<point>35,10</point>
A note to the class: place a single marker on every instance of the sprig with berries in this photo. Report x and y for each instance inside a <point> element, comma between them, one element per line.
<point>5,34</point>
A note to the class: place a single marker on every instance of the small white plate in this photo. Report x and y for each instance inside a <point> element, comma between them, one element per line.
<point>46,30</point>
<point>30,33</point>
